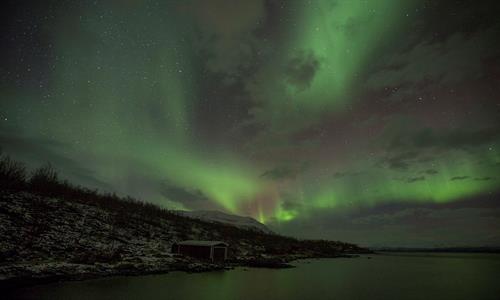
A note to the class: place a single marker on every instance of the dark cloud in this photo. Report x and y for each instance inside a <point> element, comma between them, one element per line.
<point>338,175</point>
<point>410,147</point>
<point>415,179</point>
<point>290,205</point>
<point>459,138</point>
<point>392,218</point>
<point>431,224</point>
<point>224,105</point>
<point>301,69</point>
<point>485,200</point>
<point>445,139</point>
<point>282,172</point>
<point>190,198</point>
<point>227,32</point>
<point>444,18</point>
<point>444,33</point>
<point>483,178</point>
<point>445,61</point>
<point>400,161</point>
<point>290,202</point>
<point>459,178</point>
<point>430,172</point>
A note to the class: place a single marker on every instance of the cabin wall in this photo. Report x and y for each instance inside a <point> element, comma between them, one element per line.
<point>220,253</point>
<point>201,252</point>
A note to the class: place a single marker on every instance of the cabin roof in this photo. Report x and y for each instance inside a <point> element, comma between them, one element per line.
<point>201,243</point>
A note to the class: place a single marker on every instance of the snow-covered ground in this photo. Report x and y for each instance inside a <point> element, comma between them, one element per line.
<point>46,237</point>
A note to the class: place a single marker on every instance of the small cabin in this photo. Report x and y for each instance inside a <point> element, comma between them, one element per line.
<point>207,250</point>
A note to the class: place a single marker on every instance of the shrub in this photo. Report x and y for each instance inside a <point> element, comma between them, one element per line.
<point>12,173</point>
<point>45,180</point>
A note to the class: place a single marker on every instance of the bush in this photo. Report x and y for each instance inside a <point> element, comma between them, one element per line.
<point>12,173</point>
<point>45,180</point>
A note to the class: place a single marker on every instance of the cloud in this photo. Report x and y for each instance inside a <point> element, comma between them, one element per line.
<point>227,32</point>
<point>437,61</point>
<point>483,178</point>
<point>430,224</point>
<point>282,172</point>
<point>431,57</point>
<point>430,172</point>
<point>338,175</point>
<point>290,201</point>
<point>458,138</point>
<point>400,161</point>
<point>190,198</point>
<point>406,145</point>
<point>387,218</point>
<point>459,178</point>
<point>300,70</point>
<point>415,179</point>
<point>443,62</point>
<point>444,139</point>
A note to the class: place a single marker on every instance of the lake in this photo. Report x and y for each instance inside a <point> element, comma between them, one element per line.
<point>385,276</point>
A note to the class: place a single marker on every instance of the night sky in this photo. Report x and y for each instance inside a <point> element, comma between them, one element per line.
<point>376,122</point>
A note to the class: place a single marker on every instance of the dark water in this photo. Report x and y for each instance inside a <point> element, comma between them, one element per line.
<point>388,276</point>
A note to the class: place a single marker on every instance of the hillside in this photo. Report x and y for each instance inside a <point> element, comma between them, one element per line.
<point>52,230</point>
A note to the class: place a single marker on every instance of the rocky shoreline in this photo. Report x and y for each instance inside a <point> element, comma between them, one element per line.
<point>24,274</point>
<point>21,275</point>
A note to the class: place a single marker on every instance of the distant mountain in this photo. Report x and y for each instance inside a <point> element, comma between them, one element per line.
<point>485,249</point>
<point>235,220</point>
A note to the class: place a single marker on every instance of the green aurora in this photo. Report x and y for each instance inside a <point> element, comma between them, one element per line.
<point>271,109</point>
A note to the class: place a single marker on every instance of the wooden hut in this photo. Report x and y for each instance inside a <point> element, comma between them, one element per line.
<point>208,250</point>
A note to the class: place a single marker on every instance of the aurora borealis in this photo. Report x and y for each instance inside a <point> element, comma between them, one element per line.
<point>376,122</point>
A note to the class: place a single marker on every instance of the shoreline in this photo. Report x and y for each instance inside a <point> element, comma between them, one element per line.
<point>53,272</point>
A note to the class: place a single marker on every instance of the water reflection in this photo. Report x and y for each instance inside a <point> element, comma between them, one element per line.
<point>390,276</point>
